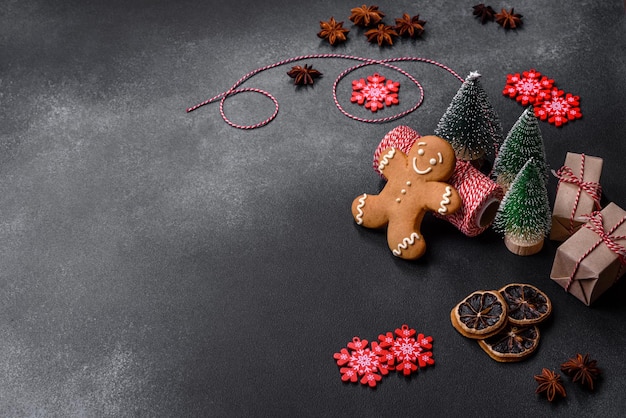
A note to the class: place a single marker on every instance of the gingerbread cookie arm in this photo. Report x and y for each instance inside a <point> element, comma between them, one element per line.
<point>392,161</point>
<point>444,199</point>
<point>369,211</point>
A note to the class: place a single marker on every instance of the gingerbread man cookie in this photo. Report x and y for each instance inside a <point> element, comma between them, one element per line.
<point>415,185</point>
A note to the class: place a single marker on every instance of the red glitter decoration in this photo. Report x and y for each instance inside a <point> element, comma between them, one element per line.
<point>550,104</point>
<point>405,351</point>
<point>376,92</point>
<point>559,108</point>
<point>363,364</point>
<point>527,88</point>
<point>410,352</point>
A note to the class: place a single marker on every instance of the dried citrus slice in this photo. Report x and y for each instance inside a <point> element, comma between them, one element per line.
<point>480,315</point>
<point>511,344</point>
<point>526,304</point>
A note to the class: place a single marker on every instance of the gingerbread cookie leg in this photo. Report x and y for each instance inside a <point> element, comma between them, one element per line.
<point>405,240</point>
<point>368,211</point>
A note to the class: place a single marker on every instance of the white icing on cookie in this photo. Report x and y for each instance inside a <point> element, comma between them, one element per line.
<point>445,201</point>
<point>359,208</point>
<point>417,170</point>
<point>406,242</point>
<point>385,161</point>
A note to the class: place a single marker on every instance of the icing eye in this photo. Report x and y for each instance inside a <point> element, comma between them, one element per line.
<point>433,161</point>
<point>420,152</point>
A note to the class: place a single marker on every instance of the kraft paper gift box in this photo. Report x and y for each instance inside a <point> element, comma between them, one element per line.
<point>578,193</point>
<point>589,262</point>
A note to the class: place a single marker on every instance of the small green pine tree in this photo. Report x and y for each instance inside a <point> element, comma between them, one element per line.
<point>470,123</point>
<point>523,142</point>
<point>524,213</point>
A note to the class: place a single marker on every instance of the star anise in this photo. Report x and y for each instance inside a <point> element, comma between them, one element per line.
<point>366,15</point>
<point>484,13</point>
<point>582,368</point>
<point>410,26</point>
<point>303,75</point>
<point>383,34</point>
<point>550,384</point>
<point>333,31</point>
<point>509,19</point>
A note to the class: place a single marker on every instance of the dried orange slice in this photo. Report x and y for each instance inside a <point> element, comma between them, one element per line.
<point>526,304</point>
<point>480,315</point>
<point>513,343</point>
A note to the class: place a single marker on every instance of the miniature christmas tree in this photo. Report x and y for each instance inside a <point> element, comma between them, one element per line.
<point>470,123</point>
<point>523,142</point>
<point>524,215</point>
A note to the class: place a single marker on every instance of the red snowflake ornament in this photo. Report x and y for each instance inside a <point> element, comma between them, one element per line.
<point>376,92</point>
<point>550,104</point>
<point>559,109</point>
<point>408,351</point>
<point>404,351</point>
<point>368,364</point>
<point>527,89</point>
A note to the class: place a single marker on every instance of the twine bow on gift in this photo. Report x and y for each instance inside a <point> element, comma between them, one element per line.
<point>595,224</point>
<point>566,175</point>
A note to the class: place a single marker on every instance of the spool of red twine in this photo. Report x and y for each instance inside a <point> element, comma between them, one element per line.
<point>481,196</point>
<point>481,199</point>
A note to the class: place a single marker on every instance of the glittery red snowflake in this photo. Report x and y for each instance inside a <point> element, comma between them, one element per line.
<point>409,352</point>
<point>550,103</point>
<point>526,88</point>
<point>376,92</point>
<point>559,108</point>
<point>364,364</point>
<point>404,351</point>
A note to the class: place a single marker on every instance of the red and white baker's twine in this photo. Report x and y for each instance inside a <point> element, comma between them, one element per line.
<point>566,175</point>
<point>477,192</point>
<point>236,89</point>
<point>595,224</point>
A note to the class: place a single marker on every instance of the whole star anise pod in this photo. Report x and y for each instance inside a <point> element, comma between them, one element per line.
<point>582,368</point>
<point>366,15</point>
<point>383,34</point>
<point>410,26</point>
<point>509,20</point>
<point>484,13</point>
<point>333,31</point>
<point>303,75</point>
<point>549,383</point>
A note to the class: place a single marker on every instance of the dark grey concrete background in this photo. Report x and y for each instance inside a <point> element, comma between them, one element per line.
<point>159,263</point>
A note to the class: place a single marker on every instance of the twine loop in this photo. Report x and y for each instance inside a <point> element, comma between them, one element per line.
<point>388,63</point>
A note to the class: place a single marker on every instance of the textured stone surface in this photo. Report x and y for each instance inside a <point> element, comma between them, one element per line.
<point>159,263</point>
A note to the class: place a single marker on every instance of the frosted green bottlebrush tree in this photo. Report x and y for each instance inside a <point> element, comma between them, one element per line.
<point>524,214</point>
<point>470,123</point>
<point>523,142</point>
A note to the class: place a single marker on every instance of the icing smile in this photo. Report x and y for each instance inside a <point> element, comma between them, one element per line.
<point>417,170</point>
<point>433,161</point>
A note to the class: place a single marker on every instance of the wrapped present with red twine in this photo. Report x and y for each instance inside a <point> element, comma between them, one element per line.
<point>592,260</point>
<point>578,193</point>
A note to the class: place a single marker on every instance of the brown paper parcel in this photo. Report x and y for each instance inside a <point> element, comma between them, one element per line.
<point>599,269</point>
<point>566,196</point>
